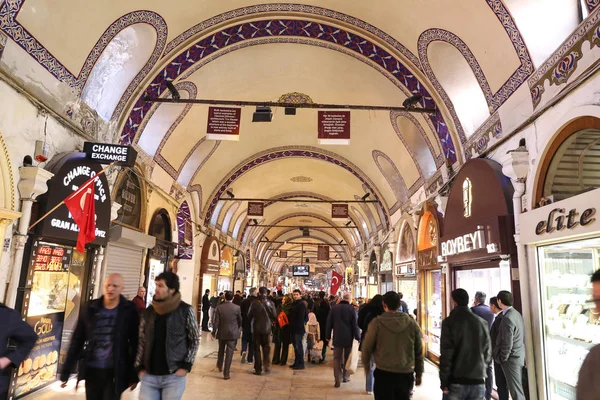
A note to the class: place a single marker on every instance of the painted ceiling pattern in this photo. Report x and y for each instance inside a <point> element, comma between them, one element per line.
<point>410,71</point>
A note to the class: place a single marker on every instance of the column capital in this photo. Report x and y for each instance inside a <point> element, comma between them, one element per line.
<point>515,164</point>
<point>7,217</point>
<point>33,182</point>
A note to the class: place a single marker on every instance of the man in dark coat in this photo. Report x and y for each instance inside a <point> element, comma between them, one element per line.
<point>483,311</point>
<point>466,351</point>
<point>226,328</point>
<point>343,320</point>
<point>501,385</point>
<point>262,314</point>
<point>510,346</point>
<point>205,310</point>
<point>247,345</point>
<point>17,339</point>
<point>297,319</point>
<point>322,312</point>
<point>109,326</point>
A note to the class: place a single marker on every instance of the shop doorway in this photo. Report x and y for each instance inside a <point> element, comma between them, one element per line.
<point>161,254</point>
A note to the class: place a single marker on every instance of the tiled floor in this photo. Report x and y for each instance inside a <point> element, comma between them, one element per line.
<point>315,382</point>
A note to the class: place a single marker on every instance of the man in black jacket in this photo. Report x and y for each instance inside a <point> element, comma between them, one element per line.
<point>501,385</point>
<point>322,312</point>
<point>110,327</point>
<point>247,345</point>
<point>297,319</point>
<point>483,311</point>
<point>466,351</point>
<point>169,340</point>
<point>262,314</point>
<point>205,310</point>
<point>19,333</point>
<point>343,320</point>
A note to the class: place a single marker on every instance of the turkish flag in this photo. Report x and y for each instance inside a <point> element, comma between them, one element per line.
<point>336,282</point>
<point>82,206</point>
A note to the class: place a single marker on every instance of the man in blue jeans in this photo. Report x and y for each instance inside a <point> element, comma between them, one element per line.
<point>163,373</point>
<point>466,351</point>
<point>297,319</point>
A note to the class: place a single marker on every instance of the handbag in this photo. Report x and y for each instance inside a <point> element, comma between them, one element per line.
<point>352,363</point>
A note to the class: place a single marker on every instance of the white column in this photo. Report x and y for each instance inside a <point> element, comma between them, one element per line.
<point>515,165</point>
<point>32,184</point>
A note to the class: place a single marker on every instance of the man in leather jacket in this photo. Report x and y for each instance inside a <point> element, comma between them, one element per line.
<point>466,351</point>
<point>262,314</point>
<point>168,342</point>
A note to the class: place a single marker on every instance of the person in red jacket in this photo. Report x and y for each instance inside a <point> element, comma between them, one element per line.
<point>140,300</point>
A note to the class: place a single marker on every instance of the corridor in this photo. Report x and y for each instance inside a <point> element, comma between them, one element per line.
<point>315,382</point>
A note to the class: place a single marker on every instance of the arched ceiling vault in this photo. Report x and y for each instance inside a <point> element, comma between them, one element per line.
<point>334,51</point>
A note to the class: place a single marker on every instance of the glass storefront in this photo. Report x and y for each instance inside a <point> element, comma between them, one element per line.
<point>409,290</point>
<point>487,280</point>
<point>434,296</point>
<point>571,324</point>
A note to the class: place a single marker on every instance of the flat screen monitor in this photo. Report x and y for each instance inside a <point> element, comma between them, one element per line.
<point>301,270</point>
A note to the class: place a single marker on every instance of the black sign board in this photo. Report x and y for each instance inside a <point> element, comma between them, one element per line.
<point>129,196</point>
<point>106,153</point>
<point>70,172</point>
<point>301,270</point>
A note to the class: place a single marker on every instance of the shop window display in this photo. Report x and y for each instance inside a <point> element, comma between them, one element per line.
<point>434,310</point>
<point>409,290</point>
<point>487,280</point>
<point>571,323</point>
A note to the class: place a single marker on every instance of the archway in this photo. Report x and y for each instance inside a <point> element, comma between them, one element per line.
<point>160,257</point>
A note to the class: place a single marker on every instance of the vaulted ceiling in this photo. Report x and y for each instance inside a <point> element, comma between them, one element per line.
<point>465,57</point>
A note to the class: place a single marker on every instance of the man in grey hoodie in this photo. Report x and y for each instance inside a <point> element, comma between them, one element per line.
<point>394,340</point>
<point>588,386</point>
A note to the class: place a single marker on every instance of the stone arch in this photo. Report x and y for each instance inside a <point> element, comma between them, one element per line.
<point>391,174</point>
<point>292,31</point>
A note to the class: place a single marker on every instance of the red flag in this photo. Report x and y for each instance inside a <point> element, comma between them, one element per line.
<point>336,282</point>
<point>82,206</point>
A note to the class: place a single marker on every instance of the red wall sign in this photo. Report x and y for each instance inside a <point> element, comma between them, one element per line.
<point>256,209</point>
<point>323,253</point>
<point>334,127</point>
<point>223,123</point>
<point>339,211</point>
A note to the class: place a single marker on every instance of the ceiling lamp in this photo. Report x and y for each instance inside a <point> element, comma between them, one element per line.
<point>290,110</point>
<point>412,100</point>
<point>262,114</point>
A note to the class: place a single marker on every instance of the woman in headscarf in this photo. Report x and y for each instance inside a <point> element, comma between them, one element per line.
<point>313,333</point>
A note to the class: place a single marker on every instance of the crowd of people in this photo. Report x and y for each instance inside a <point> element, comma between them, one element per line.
<point>118,344</point>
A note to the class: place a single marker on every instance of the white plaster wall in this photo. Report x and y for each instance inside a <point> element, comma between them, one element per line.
<point>21,124</point>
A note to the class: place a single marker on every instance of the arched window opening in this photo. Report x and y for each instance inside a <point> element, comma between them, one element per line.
<point>467,198</point>
<point>119,63</point>
<point>455,75</point>
<point>413,134</point>
<point>573,168</point>
<point>229,215</point>
<point>392,175</point>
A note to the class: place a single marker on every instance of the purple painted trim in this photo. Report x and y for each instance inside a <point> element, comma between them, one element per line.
<point>290,152</point>
<point>284,28</point>
<point>184,252</point>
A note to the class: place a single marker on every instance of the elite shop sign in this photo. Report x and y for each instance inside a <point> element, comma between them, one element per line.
<point>105,153</point>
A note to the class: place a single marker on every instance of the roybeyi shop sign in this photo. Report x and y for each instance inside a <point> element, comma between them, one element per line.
<point>463,244</point>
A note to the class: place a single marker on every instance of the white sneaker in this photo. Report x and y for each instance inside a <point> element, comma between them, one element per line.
<point>244,353</point>
<point>369,392</point>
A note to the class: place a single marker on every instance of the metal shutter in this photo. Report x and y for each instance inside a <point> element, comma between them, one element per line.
<point>126,261</point>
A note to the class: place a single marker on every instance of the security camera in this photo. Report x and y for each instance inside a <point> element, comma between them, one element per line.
<point>505,257</point>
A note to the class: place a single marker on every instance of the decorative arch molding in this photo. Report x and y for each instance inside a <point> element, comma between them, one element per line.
<point>267,257</point>
<point>229,215</point>
<point>184,251</point>
<point>20,35</point>
<point>293,195</point>
<point>293,31</point>
<point>394,115</point>
<point>393,178</point>
<point>211,254</point>
<point>494,100</point>
<point>290,152</point>
<point>7,179</point>
<point>406,247</point>
<point>197,203</point>
<point>261,234</point>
